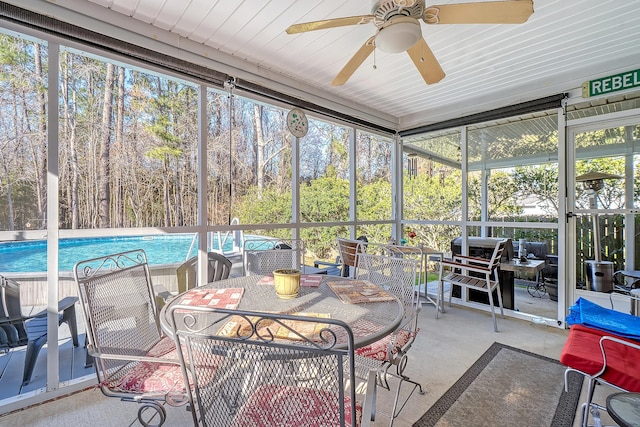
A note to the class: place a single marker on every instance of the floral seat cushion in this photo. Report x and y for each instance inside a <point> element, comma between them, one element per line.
<point>151,377</point>
<point>379,349</point>
<point>273,406</point>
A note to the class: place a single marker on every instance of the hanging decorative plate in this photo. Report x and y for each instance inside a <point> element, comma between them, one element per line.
<point>297,123</point>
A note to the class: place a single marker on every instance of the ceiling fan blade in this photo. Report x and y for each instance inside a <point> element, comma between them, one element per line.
<point>426,62</point>
<point>353,64</point>
<point>490,12</point>
<point>329,23</point>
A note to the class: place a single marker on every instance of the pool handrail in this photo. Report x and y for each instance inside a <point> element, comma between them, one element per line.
<point>237,241</point>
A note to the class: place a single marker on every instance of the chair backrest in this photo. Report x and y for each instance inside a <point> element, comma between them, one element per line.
<point>402,251</point>
<point>244,365</point>
<point>396,275</point>
<point>12,324</point>
<point>349,251</point>
<point>262,256</point>
<point>218,268</point>
<point>118,305</point>
<point>496,257</point>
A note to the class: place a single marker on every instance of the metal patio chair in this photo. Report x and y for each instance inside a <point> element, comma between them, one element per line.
<point>134,361</point>
<point>262,256</point>
<point>387,358</point>
<point>266,369</point>
<point>17,330</point>
<point>603,345</point>
<point>425,257</point>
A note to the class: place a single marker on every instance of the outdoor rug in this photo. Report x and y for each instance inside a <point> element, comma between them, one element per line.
<point>507,386</point>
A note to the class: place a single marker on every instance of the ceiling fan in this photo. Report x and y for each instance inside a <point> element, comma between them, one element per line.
<point>399,30</point>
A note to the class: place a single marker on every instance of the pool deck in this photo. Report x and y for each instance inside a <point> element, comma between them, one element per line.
<point>72,361</point>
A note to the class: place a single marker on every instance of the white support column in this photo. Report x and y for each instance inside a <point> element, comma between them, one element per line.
<point>397,189</point>
<point>465,189</point>
<point>52,217</point>
<point>295,185</point>
<point>203,189</point>
<point>566,233</point>
<point>629,242</point>
<point>352,181</point>
<point>485,176</point>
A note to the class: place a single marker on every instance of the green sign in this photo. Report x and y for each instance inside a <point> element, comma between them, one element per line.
<point>609,84</point>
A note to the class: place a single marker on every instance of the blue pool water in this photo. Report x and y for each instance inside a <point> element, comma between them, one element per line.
<point>31,256</point>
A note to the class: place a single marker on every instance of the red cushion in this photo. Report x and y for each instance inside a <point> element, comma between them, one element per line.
<point>379,349</point>
<point>582,352</point>
<point>273,405</point>
<point>149,377</point>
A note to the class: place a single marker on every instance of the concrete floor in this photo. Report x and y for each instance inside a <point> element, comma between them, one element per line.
<point>444,350</point>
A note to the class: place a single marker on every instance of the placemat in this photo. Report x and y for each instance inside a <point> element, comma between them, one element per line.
<point>308,329</point>
<point>307,280</point>
<point>359,292</point>
<point>228,298</point>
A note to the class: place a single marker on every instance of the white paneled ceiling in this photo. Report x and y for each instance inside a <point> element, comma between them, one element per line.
<point>564,43</point>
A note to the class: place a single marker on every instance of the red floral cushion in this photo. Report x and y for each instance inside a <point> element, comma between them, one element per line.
<point>151,377</point>
<point>162,348</point>
<point>379,349</point>
<point>272,406</point>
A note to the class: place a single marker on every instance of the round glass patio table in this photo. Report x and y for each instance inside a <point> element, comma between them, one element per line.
<point>369,321</point>
<point>624,408</point>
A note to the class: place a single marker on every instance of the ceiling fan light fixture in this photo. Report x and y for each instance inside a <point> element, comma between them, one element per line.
<point>398,34</point>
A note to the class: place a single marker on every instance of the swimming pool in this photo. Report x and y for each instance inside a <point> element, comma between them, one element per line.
<point>31,256</point>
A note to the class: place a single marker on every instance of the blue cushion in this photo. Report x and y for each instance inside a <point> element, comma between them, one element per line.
<point>587,313</point>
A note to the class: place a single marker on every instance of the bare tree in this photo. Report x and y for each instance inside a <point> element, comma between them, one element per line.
<point>118,205</point>
<point>40,148</point>
<point>104,184</point>
<point>265,148</point>
<point>5,169</point>
<point>69,114</point>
